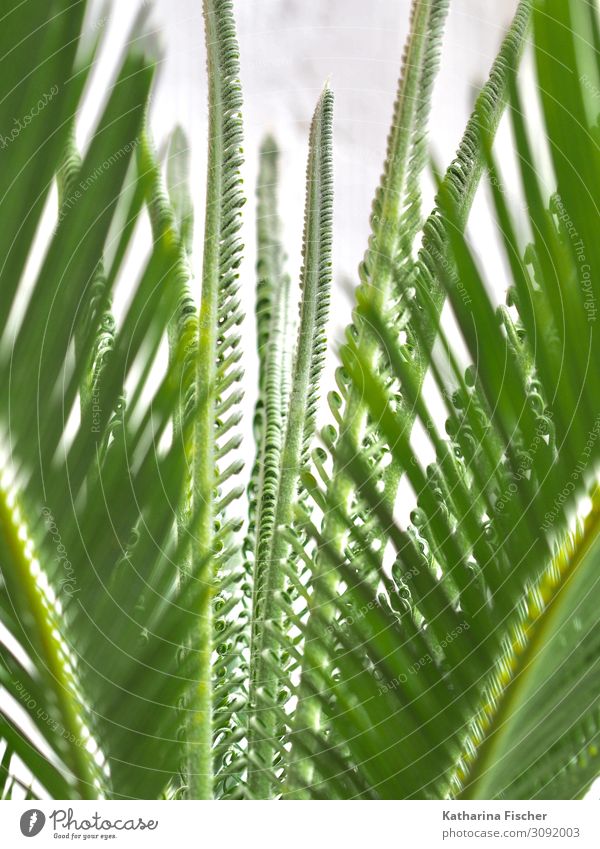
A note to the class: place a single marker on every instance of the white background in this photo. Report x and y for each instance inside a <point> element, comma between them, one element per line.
<point>288,49</point>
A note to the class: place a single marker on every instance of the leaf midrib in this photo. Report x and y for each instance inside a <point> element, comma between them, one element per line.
<point>48,647</point>
<point>526,662</point>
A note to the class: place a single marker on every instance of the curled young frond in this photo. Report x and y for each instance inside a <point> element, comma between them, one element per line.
<point>284,459</point>
<point>218,371</point>
<point>174,223</point>
<point>462,178</point>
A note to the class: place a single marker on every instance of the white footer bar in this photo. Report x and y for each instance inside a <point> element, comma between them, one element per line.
<point>302,825</point>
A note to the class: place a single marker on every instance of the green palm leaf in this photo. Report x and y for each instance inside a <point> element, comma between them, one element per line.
<point>475,659</point>
<point>102,544</point>
<point>287,438</point>
<point>340,503</point>
<point>155,645</point>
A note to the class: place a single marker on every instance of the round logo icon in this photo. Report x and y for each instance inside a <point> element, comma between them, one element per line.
<point>32,822</point>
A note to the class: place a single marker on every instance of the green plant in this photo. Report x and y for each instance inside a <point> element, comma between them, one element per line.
<point>153,645</point>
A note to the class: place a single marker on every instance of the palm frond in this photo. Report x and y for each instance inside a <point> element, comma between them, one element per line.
<point>218,370</point>
<point>286,443</point>
<point>104,595</point>
<point>154,645</point>
<point>474,659</point>
<point>341,503</point>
